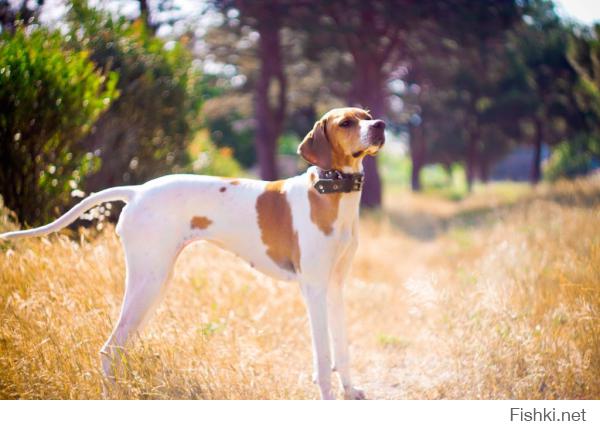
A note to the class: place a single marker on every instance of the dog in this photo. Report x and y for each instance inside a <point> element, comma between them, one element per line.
<point>303,229</point>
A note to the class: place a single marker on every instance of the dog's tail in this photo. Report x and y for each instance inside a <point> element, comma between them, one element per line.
<point>117,193</point>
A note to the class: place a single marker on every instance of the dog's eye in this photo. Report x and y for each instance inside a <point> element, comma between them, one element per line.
<point>346,123</point>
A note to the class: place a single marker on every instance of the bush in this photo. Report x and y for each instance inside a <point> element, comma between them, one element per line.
<point>144,133</point>
<point>210,159</point>
<point>233,131</point>
<point>49,98</point>
<point>288,144</point>
<point>573,158</point>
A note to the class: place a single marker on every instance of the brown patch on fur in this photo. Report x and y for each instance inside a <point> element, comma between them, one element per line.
<point>234,182</point>
<point>323,209</point>
<point>200,222</point>
<point>330,146</point>
<point>316,147</point>
<point>343,140</point>
<point>340,159</point>
<point>276,227</point>
<point>222,189</point>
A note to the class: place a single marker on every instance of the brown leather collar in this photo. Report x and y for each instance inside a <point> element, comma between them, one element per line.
<point>334,181</point>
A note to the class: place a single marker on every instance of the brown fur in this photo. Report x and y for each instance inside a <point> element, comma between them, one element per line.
<point>316,147</point>
<point>330,146</point>
<point>276,227</point>
<point>323,209</point>
<point>343,139</point>
<point>200,222</point>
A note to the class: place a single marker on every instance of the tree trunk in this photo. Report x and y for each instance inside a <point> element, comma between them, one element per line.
<point>472,158</point>
<point>484,169</point>
<point>417,154</point>
<point>7,18</point>
<point>145,16</point>
<point>270,97</point>
<point>368,92</point>
<point>536,167</point>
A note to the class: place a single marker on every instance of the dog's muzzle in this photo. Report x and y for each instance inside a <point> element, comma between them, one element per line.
<point>377,133</point>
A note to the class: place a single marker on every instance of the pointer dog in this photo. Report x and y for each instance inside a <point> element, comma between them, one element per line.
<point>303,228</point>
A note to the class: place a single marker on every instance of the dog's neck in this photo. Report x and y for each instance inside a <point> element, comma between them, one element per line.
<point>336,182</point>
<point>349,200</point>
<point>352,165</point>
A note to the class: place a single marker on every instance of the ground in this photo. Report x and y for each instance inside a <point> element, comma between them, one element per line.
<point>493,296</point>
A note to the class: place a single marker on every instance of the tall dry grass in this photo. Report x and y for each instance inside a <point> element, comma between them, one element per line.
<point>496,296</point>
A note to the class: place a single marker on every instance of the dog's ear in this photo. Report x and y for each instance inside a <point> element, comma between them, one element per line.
<point>316,148</point>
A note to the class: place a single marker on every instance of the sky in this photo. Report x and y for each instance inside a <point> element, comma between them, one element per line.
<point>584,11</point>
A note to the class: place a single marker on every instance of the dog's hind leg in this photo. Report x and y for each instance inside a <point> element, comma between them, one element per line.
<point>148,271</point>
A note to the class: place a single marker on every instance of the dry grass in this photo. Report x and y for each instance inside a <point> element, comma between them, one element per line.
<point>497,296</point>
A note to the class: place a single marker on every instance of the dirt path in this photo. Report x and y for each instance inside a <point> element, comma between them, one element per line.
<point>393,306</point>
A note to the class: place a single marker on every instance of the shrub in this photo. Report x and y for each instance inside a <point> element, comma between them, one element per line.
<point>144,133</point>
<point>49,98</point>
<point>210,159</point>
<point>573,158</point>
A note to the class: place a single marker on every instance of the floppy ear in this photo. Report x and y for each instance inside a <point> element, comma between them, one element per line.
<point>315,148</point>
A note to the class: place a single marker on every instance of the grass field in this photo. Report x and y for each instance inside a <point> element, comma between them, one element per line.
<point>494,296</point>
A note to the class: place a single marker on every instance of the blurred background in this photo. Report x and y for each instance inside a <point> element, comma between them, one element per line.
<point>478,270</point>
<point>98,93</point>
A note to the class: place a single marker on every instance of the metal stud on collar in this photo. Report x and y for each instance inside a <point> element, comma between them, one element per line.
<point>334,181</point>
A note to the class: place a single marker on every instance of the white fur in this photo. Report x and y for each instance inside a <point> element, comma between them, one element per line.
<point>155,226</point>
<point>365,132</point>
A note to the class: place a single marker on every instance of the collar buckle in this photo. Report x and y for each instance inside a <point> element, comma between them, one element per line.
<point>334,181</point>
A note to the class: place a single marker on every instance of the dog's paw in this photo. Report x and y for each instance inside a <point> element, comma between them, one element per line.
<point>353,393</point>
<point>327,395</point>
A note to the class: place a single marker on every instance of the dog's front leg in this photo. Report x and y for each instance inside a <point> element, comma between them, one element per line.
<point>337,323</point>
<point>339,339</point>
<point>315,297</point>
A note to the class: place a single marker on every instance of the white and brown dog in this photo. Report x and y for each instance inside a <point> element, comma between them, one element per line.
<point>303,228</point>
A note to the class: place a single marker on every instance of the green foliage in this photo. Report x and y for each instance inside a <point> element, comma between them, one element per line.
<point>455,62</point>
<point>211,160</point>
<point>144,133</point>
<point>49,98</point>
<point>540,81</point>
<point>288,144</point>
<point>584,56</point>
<point>395,170</point>
<point>573,158</point>
<point>436,176</point>
<point>230,131</point>
<point>448,182</point>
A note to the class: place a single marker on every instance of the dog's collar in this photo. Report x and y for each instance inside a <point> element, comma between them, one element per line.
<point>334,181</point>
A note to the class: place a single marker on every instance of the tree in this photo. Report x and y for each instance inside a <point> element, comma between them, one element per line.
<point>144,134</point>
<point>50,97</point>
<point>431,64</point>
<point>267,19</point>
<point>534,101</point>
<point>370,32</point>
<point>584,56</point>
<point>12,14</point>
<point>453,59</point>
<point>479,30</point>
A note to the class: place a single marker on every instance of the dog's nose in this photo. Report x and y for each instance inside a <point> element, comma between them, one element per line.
<point>378,124</point>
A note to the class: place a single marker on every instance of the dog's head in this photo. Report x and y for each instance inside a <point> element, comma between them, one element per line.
<point>341,139</point>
